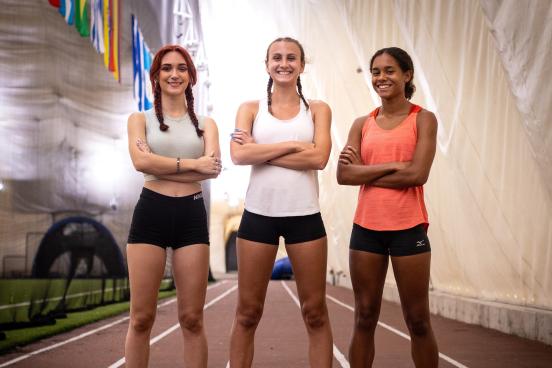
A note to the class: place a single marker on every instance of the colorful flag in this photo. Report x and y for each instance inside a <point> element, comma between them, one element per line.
<point>106,38</point>
<point>67,10</point>
<point>111,36</point>
<point>114,38</point>
<point>54,3</point>
<point>104,33</point>
<point>81,18</point>
<point>141,63</point>
<point>96,25</point>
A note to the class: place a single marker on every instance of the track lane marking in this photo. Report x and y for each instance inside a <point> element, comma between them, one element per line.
<point>176,326</point>
<point>83,335</point>
<point>336,353</point>
<point>400,333</point>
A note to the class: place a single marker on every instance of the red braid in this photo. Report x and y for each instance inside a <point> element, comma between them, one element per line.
<point>159,107</point>
<point>191,112</point>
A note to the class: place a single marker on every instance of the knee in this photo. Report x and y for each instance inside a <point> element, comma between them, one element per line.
<point>142,321</point>
<point>191,322</point>
<point>248,317</point>
<point>418,327</point>
<point>366,317</point>
<point>315,315</point>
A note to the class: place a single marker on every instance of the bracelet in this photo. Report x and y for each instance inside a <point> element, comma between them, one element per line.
<point>177,165</point>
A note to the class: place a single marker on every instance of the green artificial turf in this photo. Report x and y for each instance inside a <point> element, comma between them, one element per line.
<point>23,336</point>
<point>22,298</point>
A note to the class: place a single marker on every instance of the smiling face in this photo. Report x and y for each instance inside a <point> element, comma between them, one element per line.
<point>173,74</point>
<point>285,61</point>
<point>388,79</point>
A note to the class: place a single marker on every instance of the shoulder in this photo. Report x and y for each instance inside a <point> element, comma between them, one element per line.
<point>250,106</point>
<point>357,126</point>
<point>355,131</point>
<point>136,124</point>
<point>246,114</point>
<point>320,111</point>
<point>427,117</point>
<point>319,106</point>
<point>359,122</point>
<point>426,121</point>
<point>137,117</point>
<point>207,122</point>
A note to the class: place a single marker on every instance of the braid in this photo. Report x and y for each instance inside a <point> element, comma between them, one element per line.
<point>158,107</point>
<point>269,94</point>
<point>191,112</point>
<point>300,90</point>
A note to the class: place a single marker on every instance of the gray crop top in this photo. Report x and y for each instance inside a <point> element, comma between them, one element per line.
<point>180,140</point>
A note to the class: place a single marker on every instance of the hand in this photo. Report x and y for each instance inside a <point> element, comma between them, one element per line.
<point>241,136</point>
<point>143,146</point>
<point>208,164</point>
<point>350,156</point>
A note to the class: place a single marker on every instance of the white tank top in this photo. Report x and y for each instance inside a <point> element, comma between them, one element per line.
<point>277,191</point>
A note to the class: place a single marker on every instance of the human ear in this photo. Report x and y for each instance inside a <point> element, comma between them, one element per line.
<point>408,76</point>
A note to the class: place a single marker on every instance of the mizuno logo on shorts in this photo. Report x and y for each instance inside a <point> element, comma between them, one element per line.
<point>420,243</point>
<point>198,196</point>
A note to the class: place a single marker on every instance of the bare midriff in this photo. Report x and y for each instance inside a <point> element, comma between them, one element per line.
<point>172,188</point>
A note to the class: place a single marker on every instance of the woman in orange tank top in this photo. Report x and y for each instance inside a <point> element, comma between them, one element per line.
<point>389,154</point>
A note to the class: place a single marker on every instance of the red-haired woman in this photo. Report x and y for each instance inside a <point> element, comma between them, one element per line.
<point>286,139</point>
<point>175,149</point>
<point>389,153</point>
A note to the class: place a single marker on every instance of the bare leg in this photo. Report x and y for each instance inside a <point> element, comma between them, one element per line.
<point>309,261</point>
<point>255,263</point>
<point>368,272</point>
<point>412,275</point>
<point>146,265</point>
<point>190,270</point>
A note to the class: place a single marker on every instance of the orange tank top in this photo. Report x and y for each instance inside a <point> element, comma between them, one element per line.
<point>385,208</point>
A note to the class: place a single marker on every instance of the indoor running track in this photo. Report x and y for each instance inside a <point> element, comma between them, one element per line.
<point>281,339</point>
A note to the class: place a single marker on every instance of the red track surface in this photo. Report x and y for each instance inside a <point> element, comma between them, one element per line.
<point>281,339</point>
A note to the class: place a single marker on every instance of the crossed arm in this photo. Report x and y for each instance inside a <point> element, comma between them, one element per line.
<point>295,155</point>
<point>191,170</point>
<point>352,171</point>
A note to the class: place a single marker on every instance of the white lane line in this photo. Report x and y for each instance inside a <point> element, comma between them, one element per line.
<point>176,326</point>
<point>78,337</point>
<point>337,354</point>
<point>394,330</point>
<point>63,342</point>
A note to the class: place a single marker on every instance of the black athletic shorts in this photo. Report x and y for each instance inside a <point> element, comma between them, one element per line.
<point>394,243</point>
<point>169,221</point>
<point>268,229</point>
